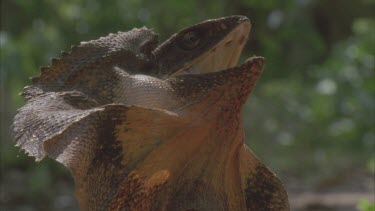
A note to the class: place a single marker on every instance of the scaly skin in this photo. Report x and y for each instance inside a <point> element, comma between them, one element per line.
<point>147,127</point>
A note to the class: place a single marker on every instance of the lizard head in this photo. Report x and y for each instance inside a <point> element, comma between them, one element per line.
<point>197,66</point>
<point>200,64</point>
<point>205,47</point>
<point>197,71</point>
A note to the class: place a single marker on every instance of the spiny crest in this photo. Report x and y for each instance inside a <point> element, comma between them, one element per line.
<point>96,56</point>
<point>148,36</point>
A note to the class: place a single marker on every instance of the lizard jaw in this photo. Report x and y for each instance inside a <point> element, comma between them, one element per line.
<point>222,56</point>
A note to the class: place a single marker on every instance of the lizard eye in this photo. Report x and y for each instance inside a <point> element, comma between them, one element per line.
<point>190,40</point>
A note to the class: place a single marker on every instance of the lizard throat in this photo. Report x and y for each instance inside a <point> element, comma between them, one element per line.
<point>222,56</point>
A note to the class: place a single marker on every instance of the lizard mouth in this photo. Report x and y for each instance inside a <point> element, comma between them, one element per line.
<point>222,56</point>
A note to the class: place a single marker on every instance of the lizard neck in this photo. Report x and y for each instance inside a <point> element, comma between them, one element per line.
<point>201,176</point>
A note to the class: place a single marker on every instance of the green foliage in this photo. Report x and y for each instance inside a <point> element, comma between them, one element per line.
<point>312,110</point>
<point>365,205</point>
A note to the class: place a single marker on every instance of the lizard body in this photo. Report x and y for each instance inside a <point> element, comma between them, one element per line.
<point>143,126</point>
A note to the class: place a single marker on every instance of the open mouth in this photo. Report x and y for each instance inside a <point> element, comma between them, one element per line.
<point>223,55</point>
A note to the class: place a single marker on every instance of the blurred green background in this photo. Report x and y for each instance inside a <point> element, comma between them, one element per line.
<point>310,119</point>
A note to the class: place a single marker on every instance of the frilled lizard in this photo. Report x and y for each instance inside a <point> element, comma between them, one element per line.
<point>143,126</point>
